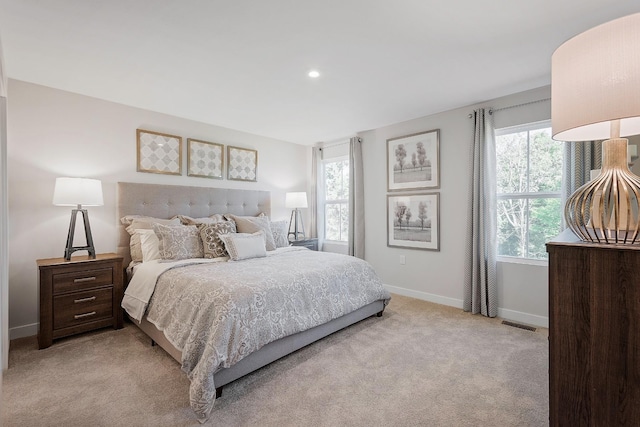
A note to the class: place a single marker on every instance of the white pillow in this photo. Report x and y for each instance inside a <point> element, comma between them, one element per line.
<point>150,245</point>
<point>137,222</point>
<point>244,246</point>
<point>253,224</point>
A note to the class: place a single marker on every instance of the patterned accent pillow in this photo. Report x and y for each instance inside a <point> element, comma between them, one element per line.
<point>210,236</point>
<point>187,220</point>
<point>280,230</point>
<point>136,222</point>
<point>253,224</point>
<point>244,246</point>
<point>179,241</point>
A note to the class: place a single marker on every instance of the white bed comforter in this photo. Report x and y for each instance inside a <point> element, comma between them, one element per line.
<point>218,313</point>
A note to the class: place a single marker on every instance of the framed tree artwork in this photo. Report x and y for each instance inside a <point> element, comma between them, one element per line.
<point>413,221</point>
<point>413,161</point>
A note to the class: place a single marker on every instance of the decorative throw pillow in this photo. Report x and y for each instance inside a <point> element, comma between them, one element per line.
<point>210,235</point>
<point>253,224</point>
<point>137,222</point>
<point>187,220</point>
<point>280,230</point>
<point>179,241</point>
<point>149,244</point>
<point>244,246</point>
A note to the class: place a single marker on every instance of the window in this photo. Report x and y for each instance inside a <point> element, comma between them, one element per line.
<point>529,180</point>
<point>336,199</point>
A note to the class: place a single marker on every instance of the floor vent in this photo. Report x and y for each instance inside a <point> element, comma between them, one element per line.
<point>518,325</point>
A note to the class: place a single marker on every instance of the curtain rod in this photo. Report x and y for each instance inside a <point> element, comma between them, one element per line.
<point>336,144</point>
<point>491,110</point>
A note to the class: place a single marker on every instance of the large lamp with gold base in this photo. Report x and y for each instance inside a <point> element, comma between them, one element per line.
<point>595,95</point>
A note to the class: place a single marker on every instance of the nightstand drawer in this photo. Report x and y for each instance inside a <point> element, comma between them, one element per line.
<point>307,243</point>
<point>79,295</point>
<point>82,307</point>
<point>85,279</point>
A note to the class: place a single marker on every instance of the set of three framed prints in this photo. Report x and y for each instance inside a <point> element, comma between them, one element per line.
<point>162,153</point>
<point>413,210</point>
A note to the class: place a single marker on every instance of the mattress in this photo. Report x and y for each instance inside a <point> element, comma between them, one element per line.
<point>218,313</point>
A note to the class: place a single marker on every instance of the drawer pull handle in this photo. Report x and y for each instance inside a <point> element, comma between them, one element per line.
<point>80,316</point>
<point>84,279</point>
<point>84,299</point>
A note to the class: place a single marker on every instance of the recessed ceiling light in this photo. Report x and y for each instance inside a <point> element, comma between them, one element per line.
<point>314,74</point>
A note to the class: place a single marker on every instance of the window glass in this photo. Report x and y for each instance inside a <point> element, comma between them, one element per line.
<point>545,164</point>
<point>336,205</point>
<point>528,181</point>
<point>336,175</point>
<point>511,165</point>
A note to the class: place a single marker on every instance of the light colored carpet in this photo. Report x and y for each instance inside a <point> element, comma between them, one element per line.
<point>421,364</point>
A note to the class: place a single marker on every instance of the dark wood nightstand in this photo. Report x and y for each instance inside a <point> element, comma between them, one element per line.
<point>307,243</point>
<point>79,295</point>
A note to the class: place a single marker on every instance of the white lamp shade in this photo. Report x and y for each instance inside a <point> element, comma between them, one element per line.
<point>296,200</point>
<point>77,191</point>
<point>595,78</point>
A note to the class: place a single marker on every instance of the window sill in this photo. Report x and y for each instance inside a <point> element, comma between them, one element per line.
<point>527,261</point>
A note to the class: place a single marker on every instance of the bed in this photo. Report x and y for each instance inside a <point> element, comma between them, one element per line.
<point>322,293</point>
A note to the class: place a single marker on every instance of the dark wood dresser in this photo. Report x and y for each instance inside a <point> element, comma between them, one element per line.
<point>594,333</point>
<point>79,295</point>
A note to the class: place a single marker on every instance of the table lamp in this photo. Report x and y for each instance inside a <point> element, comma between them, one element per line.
<point>595,95</point>
<point>296,201</point>
<point>78,192</point>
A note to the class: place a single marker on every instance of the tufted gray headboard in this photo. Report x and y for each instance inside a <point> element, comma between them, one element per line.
<point>167,201</point>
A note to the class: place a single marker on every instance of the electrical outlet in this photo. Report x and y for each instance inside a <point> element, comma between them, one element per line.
<point>403,260</point>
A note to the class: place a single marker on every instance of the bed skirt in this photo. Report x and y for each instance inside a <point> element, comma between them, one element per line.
<point>272,351</point>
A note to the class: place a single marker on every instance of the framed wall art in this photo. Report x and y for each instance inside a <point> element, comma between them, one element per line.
<point>413,221</point>
<point>242,164</point>
<point>159,152</point>
<point>413,161</point>
<point>204,159</point>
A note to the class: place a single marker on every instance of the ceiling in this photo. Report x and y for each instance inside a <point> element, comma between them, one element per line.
<point>243,64</point>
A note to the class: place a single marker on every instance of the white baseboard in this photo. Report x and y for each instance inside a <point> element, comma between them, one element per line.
<point>526,318</point>
<point>515,316</point>
<point>452,302</point>
<point>23,331</point>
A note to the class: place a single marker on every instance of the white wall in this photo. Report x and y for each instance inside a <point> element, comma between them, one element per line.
<point>439,276</point>
<point>52,133</point>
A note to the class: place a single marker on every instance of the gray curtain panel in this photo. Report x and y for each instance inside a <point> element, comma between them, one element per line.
<point>356,199</point>
<point>4,222</point>
<point>316,155</point>
<point>480,287</point>
<point>579,159</point>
